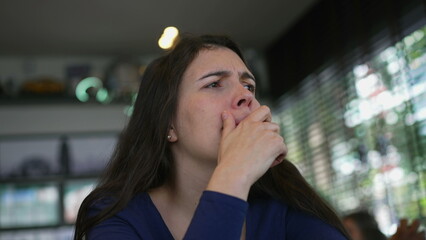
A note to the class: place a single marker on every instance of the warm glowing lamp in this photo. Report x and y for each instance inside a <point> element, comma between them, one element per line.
<point>168,37</point>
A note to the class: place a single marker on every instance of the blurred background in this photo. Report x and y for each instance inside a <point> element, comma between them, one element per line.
<point>346,81</point>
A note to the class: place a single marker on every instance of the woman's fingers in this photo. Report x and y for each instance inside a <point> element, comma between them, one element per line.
<point>255,141</point>
<point>407,231</point>
<point>262,114</point>
<point>278,160</point>
<point>414,225</point>
<point>246,152</point>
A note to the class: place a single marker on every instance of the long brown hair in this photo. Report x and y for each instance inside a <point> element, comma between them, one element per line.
<point>142,159</point>
<point>366,224</point>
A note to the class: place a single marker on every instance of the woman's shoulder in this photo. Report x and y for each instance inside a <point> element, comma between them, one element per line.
<point>265,218</point>
<point>137,218</point>
<point>109,200</point>
<point>267,205</point>
<point>294,223</point>
<point>135,207</point>
<point>307,225</point>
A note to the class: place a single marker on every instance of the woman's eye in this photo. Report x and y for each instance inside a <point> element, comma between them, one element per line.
<point>250,87</point>
<point>213,85</point>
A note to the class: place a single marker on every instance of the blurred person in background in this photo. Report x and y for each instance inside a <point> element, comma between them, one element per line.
<point>362,225</point>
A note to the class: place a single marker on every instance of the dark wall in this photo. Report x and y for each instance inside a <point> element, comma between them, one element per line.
<point>338,31</point>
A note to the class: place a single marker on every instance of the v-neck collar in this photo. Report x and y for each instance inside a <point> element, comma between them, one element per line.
<point>157,218</point>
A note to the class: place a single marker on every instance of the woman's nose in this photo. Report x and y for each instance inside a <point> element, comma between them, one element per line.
<point>243,98</point>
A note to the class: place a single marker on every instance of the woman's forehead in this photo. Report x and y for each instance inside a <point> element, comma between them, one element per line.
<point>216,58</point>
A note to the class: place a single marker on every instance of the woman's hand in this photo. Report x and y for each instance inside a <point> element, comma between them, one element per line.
<point>247,150</point>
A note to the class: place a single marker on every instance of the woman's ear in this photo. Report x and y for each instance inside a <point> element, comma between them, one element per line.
<point>172,136</point>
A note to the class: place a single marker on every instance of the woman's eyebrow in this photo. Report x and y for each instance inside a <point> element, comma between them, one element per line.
<point>215,73</point>
<point>245,75</point>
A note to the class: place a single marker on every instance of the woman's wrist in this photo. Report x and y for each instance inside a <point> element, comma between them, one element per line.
<point>231,183</point>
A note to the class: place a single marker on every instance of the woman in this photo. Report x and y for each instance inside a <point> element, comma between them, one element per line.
<point>201,159</point>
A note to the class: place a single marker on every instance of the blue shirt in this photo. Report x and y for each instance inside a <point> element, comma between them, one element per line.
<point>218,216</point>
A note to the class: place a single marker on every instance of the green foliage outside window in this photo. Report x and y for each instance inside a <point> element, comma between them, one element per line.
<point>360,137</point>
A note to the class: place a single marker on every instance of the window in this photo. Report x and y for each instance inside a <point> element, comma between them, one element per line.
<point>360,137</point>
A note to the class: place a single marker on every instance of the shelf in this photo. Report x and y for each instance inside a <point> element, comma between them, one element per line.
<point>37,204</point>
<point>58,119</point>
<point>45,179</point>
<point>54,100</point>
<point>57,232</point>
<point>36,227</point>
<point>24,100</point>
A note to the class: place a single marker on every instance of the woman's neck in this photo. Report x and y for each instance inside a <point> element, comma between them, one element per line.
<point>178,198</point>
<point>187,186</point>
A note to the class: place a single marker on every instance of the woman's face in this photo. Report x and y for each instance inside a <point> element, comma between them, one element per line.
<point>216,80</point>
<point>353,229</point>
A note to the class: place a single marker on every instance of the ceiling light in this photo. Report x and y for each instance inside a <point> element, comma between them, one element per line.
<point>168,37</point>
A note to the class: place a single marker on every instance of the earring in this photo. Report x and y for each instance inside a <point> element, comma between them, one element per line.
<point>169,137</point>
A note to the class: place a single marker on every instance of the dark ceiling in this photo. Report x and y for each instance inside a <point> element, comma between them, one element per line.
<point>134,26</point>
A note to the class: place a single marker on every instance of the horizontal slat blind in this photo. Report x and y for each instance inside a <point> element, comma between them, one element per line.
<point>359,136</point>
